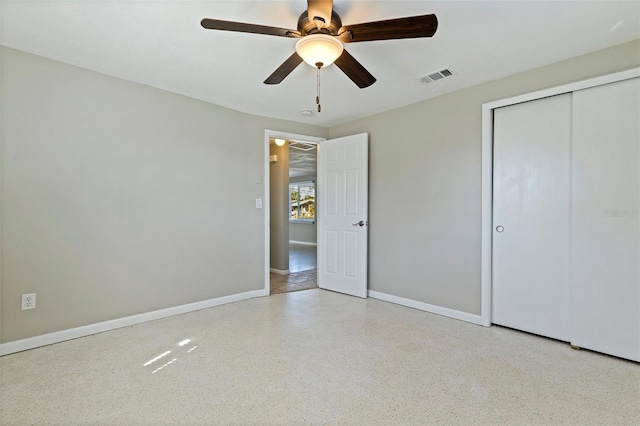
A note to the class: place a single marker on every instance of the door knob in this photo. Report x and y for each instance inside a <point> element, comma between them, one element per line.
<point>361,223</point>
<point>499,228</point>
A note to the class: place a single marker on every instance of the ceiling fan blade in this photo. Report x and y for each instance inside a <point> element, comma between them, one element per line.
<point>284,70</point>
<point>217,24</point>
<point>320,9</point>
<point>409,27</point>
<point>354,70</point>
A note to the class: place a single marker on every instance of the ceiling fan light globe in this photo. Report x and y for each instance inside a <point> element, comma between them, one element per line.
<point>321,48</point>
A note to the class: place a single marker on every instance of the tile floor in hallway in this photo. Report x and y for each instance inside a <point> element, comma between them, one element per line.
<point>296,281</point>
<point>302,265</point>
<point>302,257</point>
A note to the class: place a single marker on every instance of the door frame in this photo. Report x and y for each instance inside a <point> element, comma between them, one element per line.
<point>486,259</point>
<point>266,205</point>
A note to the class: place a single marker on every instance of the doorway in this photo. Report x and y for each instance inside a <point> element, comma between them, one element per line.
<point>342,228</point>
<point>302,235</point>
<point>291,246</point>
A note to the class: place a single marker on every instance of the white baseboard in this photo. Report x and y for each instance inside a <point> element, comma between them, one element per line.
<point>303,243</point>
<point>87,330</point>
<point>439,310</point>
<point>280,271</point>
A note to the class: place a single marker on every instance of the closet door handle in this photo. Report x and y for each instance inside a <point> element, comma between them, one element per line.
<point>499,228</point>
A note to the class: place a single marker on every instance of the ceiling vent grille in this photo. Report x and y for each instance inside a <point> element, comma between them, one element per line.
<point>436,75</point>
<point>302,146</point>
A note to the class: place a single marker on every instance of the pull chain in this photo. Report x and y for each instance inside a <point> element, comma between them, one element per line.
<point>319,65</point>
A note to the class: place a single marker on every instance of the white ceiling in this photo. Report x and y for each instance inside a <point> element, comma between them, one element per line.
<point>161,44</point>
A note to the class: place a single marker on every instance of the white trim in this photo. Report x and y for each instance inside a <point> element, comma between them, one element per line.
<point>267,196</point>
<point>439,310</point>
<point>280,271</point>
<point>302,243</point>
<point>100,327</point>
<point>566,88</point>
<point>267,214</point>
<point>487,216</point>
<point>487,169</point>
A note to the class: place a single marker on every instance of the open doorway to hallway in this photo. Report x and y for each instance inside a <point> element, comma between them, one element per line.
<point>293,169</point>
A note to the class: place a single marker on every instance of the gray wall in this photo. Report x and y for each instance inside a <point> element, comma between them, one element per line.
<point>303,232</point>
<point>426,156</point>
<point>279,218</point>
<point>119,199</point>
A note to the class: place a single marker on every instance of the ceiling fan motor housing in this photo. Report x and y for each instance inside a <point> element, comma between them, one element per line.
<point>306,27</point>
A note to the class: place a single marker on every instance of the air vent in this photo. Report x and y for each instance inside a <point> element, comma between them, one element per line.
<point>436,75</point>
<point>302,146</point>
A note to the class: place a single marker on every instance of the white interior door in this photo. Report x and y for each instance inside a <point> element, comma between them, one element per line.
<point>343,214</point>
<point>531,216</point>
<point>605,285</point>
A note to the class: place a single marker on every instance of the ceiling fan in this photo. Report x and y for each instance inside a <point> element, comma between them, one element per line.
<point>321,34</point>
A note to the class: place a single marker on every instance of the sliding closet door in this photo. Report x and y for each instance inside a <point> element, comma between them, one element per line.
<point>531,184</point>
<point>605,283</point>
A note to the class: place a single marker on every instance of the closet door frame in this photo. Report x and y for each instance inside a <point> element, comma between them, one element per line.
<point>487,170</point>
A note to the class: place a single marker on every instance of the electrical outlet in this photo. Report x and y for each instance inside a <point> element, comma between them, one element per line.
<point>28,301</point>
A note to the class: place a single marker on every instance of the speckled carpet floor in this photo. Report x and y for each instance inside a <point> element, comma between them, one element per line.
<point>316,357</point>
